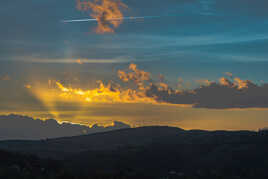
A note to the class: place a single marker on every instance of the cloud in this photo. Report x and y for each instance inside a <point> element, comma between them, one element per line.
<point>225,82</point>
<point>229,74</point>
<point>79,61</point>
<point>135,81</point>
<point>5,78</point>
<point>236,93</point>
<point>242,83</point>
<point>138,86</point>
<point>104,11</point>
<point>136,75</point>
<point>23,127</point>
<point>28,86</point>
<point>204,82</point>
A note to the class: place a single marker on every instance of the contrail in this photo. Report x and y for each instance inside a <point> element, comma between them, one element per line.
<point>113,19</point>
<point>125,18</point>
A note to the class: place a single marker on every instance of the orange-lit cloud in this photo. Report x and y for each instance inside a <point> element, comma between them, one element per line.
<point>136,75</point>
<point>28,86</point>
<point>5,78</point>
<point>105,12</point>
<point>241,83</point>
<point>56,94</point>
<point>137,86</point>
<point>79,61</point>
<point>225,82</point>
<point>112,92</point>
<point>237,83</point>
<point>105,94</point>
<point>204,82</point>
<point>163,86</point>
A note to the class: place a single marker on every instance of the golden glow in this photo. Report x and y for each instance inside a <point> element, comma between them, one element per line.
<point>138,115</point>
<point>79,61</point>
<point>105,94</point>
<point>113,93</point>
<point>241,83</point>
<point>127,102</point>
<point>237,82</point>
<point>58,97</point>
<point>225,82</point>
<point>28,86</point>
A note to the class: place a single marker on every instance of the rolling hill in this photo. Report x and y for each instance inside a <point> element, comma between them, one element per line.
<point>156,151</point>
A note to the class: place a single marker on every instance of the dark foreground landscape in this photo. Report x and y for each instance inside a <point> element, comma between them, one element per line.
<point>147,152</point>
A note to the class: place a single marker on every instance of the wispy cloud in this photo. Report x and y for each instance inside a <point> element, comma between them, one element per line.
<point>76,61</point>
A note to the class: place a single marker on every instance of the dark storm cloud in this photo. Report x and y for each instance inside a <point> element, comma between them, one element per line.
<point>225,94</point>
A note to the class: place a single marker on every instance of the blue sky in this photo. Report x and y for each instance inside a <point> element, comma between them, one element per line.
<point>200,30</point>
<point>193,39</point>
<point>214,35</point>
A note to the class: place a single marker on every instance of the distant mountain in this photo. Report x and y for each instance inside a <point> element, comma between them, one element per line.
<point>157,151</point>
<point>26,128</point>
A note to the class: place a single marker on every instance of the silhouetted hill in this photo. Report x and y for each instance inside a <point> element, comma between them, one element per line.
<point>113,140</point>
<point>27,128</point>
<point>14,166</point>
<point>157,151</point>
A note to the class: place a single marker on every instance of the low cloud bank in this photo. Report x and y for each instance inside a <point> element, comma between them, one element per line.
<point>27,128</point>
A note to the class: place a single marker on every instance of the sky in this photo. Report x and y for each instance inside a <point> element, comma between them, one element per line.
<point>190,43</point>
